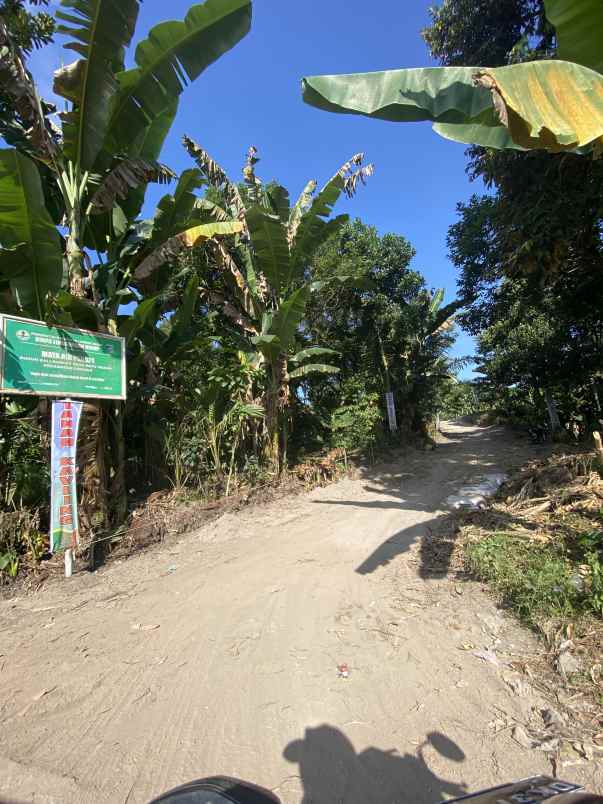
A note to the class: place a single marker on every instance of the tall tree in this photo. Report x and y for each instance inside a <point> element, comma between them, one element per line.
<point>393,336</point>
<point>493,32</point>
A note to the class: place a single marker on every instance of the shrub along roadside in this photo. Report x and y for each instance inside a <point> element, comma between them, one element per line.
<point>538,580</point>
<point>539,547</point>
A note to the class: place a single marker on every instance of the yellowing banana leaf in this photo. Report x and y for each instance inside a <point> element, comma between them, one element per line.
<point>553,105</point>
<point>579,28</point>
<point>187,239</point>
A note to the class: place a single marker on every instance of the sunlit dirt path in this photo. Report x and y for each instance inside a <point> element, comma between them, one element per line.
<point>219,653</point>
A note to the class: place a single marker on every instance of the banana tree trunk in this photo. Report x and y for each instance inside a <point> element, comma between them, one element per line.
<point>277,400</point>
<point>75,255</point>
<point>93,468</point>
<point>271,445</point>
<point>93,428</point>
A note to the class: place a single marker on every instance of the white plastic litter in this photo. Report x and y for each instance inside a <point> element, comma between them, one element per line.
<point>474,496</point>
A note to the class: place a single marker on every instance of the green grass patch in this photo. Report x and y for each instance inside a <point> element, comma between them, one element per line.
<point>536,580</point>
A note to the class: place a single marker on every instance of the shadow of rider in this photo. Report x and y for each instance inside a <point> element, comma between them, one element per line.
<point>332,772</point>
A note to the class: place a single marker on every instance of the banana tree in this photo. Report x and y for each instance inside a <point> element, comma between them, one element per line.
<point>265,282</point>
<point>555,105</point>
<point>424,330</point>
<point>159,332</point>
<point>111,135</point>
<point>65,192</point>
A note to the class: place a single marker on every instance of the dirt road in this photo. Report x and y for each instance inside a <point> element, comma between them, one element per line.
<point>219,654</point>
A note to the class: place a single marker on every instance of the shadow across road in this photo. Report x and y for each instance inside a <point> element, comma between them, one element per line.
<point>331,771</point>
<point>463,455</point>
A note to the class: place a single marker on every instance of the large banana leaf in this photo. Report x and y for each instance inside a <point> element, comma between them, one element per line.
<point>174,211</point>
<point>312,368</point>
<point>579,28</point>
<point>269,238</point>
<point>26,226</point>
<point>146,314</point>
<point>279,199</point>
<point>554,105</point>
<point>301,206</point>
<point>313,351</point>
<point>288,317</point>
<point>84,313</point>
<point>100,30</point>
<point>147,146</point>
<point>183,315</point>
<point>174,53</point>
<point>180,322</point>
<point>269,345</point>
<point>444,94</point>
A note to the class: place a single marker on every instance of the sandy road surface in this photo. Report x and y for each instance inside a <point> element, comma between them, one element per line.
<point>99,705</point>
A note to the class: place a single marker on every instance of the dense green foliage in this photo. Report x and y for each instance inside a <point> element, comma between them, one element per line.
<point>30,29</point>
<point>542,581</point>
<point>461,398</point>
<point>464,32</point>
<point>393,336</point>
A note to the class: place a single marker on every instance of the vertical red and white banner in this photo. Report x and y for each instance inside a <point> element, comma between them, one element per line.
<point>63,492</point>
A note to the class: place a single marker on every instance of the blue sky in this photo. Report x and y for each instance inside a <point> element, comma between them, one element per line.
<point>252,97</point>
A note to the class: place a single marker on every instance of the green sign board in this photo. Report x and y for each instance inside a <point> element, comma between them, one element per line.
<point>60,361</point>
